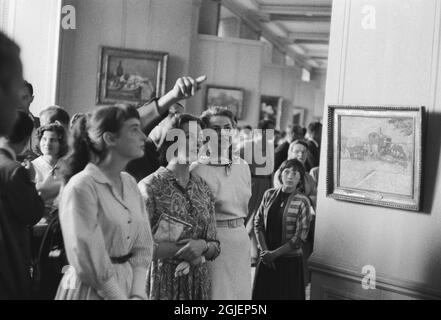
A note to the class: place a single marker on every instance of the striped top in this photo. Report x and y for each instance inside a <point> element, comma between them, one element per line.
<point>295,222</point>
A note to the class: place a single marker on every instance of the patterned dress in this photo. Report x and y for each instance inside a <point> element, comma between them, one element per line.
<point>194,205</point>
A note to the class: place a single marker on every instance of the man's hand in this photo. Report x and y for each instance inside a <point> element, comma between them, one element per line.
<point>186,87</point>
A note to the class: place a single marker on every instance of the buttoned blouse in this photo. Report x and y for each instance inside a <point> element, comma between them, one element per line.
<point>98,223</point>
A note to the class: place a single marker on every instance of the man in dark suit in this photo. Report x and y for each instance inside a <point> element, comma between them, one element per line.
<point>314,137</point>
<point>26,96</point>
<point>20,208</point>
<point>293,132</point>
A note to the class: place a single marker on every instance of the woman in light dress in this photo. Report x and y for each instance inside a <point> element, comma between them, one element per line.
<point>105,226</point>
<point>229,179</point>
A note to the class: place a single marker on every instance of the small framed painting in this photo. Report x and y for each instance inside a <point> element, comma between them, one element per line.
<point>130,76</point>
<point>228,97</point>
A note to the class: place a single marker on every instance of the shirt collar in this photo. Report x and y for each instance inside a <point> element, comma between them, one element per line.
<point>96,173</point>
<point>5,146</point>
<point>166,173</point>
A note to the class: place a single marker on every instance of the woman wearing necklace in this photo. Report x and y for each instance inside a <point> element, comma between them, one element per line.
<point>281,226</point>
<point>52,146</point>
<point>229,179</point>
<point>174,197</point>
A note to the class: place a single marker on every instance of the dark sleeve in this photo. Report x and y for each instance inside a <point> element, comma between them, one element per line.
<point>147,164</point>
<point>280,155</point>
<point>155,118</point>
<point>25,203</point>
<point>259,225</point>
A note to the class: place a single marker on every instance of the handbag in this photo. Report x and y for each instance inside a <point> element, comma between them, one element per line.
<point>170,228</point>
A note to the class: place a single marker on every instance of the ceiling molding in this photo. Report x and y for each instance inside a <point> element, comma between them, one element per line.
<point>296,9</point>
<point>311,41</point>
<point>253,19</point>
<point>299,18</point>
<point>308,36</point>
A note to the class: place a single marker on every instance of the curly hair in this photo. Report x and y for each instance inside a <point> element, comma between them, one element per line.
<point>58,129</point>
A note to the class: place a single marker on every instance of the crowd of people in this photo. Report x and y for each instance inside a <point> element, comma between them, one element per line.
<point>104,205</point>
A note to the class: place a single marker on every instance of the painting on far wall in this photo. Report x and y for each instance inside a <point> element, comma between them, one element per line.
<point>298,116</point>
<point>375,155</point>
<point>270,109</point>
<point>130,76</point>
<point>228,97</point>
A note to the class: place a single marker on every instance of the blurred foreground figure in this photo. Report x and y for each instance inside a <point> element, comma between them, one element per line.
<point>11,81</point>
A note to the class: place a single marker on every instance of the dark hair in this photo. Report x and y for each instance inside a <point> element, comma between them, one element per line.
<point>9,60</point>
<point>58,129</point>
<point>10,68</point>
<point>177,123</point>
<point>301,142</point>
<point>22,128</point>
<point>266,124</point>
<point>296,130</point>
<point>296,165</point>
<point>74,118</point>
<point>86,143</point>
<point>314,127</point>
<point>219,111</point>
<point>30,87</point>
<point>56,113</point>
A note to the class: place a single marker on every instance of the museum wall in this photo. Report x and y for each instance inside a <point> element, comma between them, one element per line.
<point>234,63</point>
<point>34,26</point>
<point>394,63</point>
<point>161,25</point>
<point>141,25</point>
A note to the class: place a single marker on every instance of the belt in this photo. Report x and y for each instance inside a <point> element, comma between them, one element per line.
<point>233,223</point>
<point>122,259</point>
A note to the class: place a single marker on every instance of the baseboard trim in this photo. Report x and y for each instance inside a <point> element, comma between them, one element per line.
<point>404,287</point>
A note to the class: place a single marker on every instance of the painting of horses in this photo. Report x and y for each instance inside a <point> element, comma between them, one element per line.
<point>376,155</point>
<point>130,76</point>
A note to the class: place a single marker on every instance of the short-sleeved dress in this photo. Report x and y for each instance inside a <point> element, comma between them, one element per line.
<point>231,186</point>
<point>98,224</point>
<point>194,205</point>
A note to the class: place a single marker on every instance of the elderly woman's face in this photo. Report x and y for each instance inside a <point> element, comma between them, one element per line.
<point>290,178</point>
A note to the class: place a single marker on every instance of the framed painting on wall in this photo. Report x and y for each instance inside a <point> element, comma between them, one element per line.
<point>271,109</point>
<point>130,76</point>
<point>375,155</point>
<point>298,116</point>
<point>229,97</point>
